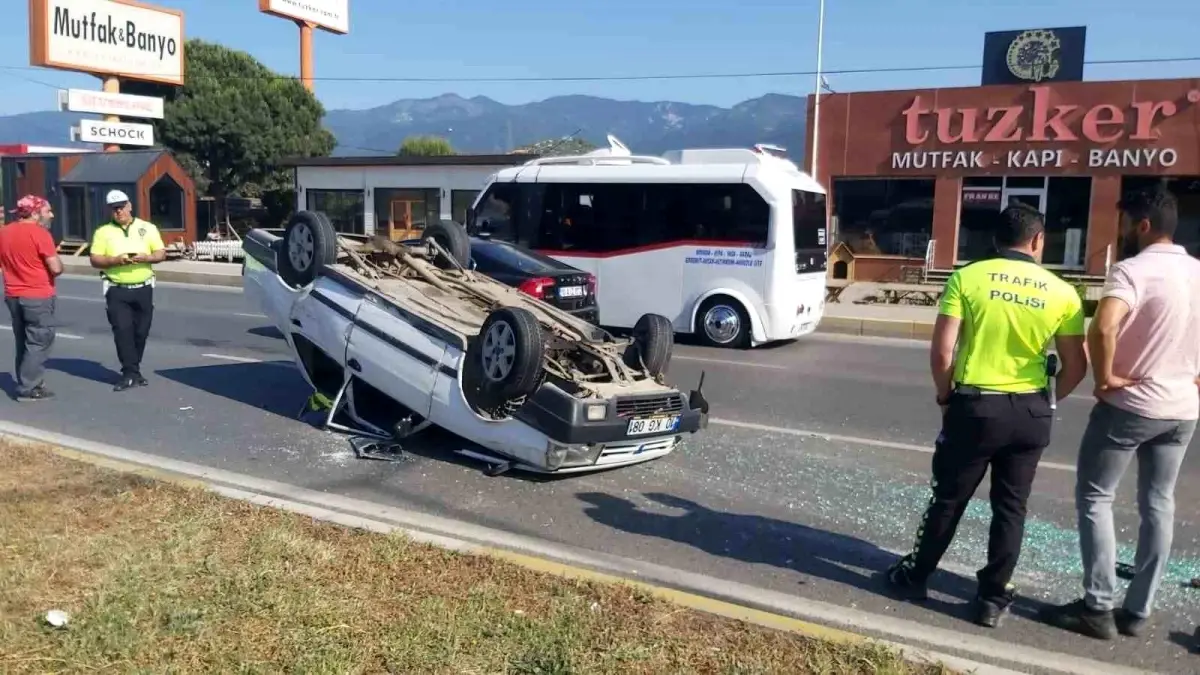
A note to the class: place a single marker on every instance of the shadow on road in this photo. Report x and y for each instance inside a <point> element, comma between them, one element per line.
<point>267,332</point>
<point>1186,640</point>
<point>277,387</point>
<point>81,368</point>
<point>84,369</point>
<point>273,386</point>
<point>767,541</point>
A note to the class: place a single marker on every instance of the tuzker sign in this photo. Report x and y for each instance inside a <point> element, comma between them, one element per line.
<point>1050,135</point>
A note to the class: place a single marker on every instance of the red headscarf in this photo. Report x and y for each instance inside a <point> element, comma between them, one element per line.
<point>29,206</point>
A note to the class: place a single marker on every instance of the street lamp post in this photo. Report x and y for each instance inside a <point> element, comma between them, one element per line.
<point>816,129</point>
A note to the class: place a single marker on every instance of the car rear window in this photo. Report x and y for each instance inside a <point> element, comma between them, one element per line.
<point>520,259</point>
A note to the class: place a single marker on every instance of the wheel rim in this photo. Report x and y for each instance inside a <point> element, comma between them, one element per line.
<point>499,351</point>
<point>722,324</point>
<point>301,247</point>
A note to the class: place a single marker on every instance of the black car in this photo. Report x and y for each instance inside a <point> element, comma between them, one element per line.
<point>543,277</point>
<point>568,288</point>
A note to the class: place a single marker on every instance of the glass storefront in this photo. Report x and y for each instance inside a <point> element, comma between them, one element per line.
<point>1065,202</point>
<point>884,216</point>
<point>402,213</point>
<point>346,209</point>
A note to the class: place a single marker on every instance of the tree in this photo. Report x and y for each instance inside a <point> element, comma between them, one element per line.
<point>425,146</point>
<point>557,147</point>
<point>234,119</point>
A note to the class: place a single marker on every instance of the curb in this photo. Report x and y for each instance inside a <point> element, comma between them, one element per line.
<point>890,328</point>
<point>814,619</point>
<point>169,276</point>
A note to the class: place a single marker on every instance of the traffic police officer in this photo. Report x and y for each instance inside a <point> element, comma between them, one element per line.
<point>996,401</point>
<point>124,249</point>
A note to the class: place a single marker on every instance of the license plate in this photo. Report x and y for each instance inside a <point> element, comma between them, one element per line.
<point>652,425</point>
<point>572,292</point>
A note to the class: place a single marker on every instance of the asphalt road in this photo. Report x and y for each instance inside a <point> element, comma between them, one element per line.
<point>809,481</point>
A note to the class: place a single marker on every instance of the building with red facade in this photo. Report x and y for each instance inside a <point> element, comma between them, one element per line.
<point>916,177</point>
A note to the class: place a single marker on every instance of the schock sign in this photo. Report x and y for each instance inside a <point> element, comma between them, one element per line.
<point>1052,135</point>
<point>109,37</point>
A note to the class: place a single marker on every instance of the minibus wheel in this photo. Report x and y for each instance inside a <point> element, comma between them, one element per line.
<point>723,322</point>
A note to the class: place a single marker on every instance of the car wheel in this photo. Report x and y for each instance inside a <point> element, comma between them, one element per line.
<point>453,239</point>
<point>309,244</point>
<point>507,356</point>
<point>723,322</point>
<point>653,342</point>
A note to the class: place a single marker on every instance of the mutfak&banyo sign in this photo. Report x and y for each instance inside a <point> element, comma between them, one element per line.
<point>116,37</point>
<point>104,30</point>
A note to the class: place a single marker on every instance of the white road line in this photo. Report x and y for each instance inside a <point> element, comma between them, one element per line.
<point>213,312</point>
<point>730,362</point>
<point>857,440</point>
<point>235,359</point>
<point>65,336</point>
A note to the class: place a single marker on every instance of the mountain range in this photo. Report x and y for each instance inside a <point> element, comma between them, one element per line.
<point>482,125</point>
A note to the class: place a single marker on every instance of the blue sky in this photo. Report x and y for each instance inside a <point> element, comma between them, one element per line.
<point>540,38</point>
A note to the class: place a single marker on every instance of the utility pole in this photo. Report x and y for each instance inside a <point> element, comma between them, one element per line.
<point>816,128</point>
<point>111,86</point>
<point>306,54</point>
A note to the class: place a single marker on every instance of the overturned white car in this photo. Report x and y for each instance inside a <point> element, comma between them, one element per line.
<point>401,337</point>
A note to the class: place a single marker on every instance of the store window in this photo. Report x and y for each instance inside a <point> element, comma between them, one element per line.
<point>77,215</point>
<point>1187,192</point>
<point>979,212</point>
<point>460,203</point>
<point>346,209</point>
<point>1068,206</point>
<point>884,216</point>
<point>1065,203</point>
<point>167,204</point>
<point>403,213</point>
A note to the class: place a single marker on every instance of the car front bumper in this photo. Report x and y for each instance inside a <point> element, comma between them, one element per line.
<point>564,419</point>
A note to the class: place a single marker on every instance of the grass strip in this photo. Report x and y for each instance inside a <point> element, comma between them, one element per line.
<point>160,578</point>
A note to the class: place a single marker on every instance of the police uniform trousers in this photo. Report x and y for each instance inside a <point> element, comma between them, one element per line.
<point>130,312</point>
<point>982,429</point>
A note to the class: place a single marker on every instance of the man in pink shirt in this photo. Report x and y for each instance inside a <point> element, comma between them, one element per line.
<point>1144,344</point>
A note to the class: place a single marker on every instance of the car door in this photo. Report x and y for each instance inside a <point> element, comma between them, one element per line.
<point>323,316</point>
<point>391,351</point>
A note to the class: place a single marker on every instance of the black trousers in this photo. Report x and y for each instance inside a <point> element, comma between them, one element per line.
<point>1006,432</point>
<point>130,311</point>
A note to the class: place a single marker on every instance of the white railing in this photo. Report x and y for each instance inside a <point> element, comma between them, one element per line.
<point>228,249</point>
<point>928,267</point>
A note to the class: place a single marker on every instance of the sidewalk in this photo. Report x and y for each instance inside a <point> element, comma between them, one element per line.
<point>177,271</point>
<point>895,321</point>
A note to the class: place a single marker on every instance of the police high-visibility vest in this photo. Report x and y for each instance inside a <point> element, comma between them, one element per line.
<point>1011,308</point>
<point>139,238</point>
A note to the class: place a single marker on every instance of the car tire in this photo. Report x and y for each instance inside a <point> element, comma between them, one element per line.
<point>453,238</point>
<point>506,357</point>
<point>309,245</point>
<point>653,343</point>
<point>723,322</point>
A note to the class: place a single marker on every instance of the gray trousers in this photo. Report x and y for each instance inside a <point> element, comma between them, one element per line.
<point>33,328</point>
<point>1112,439</point>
